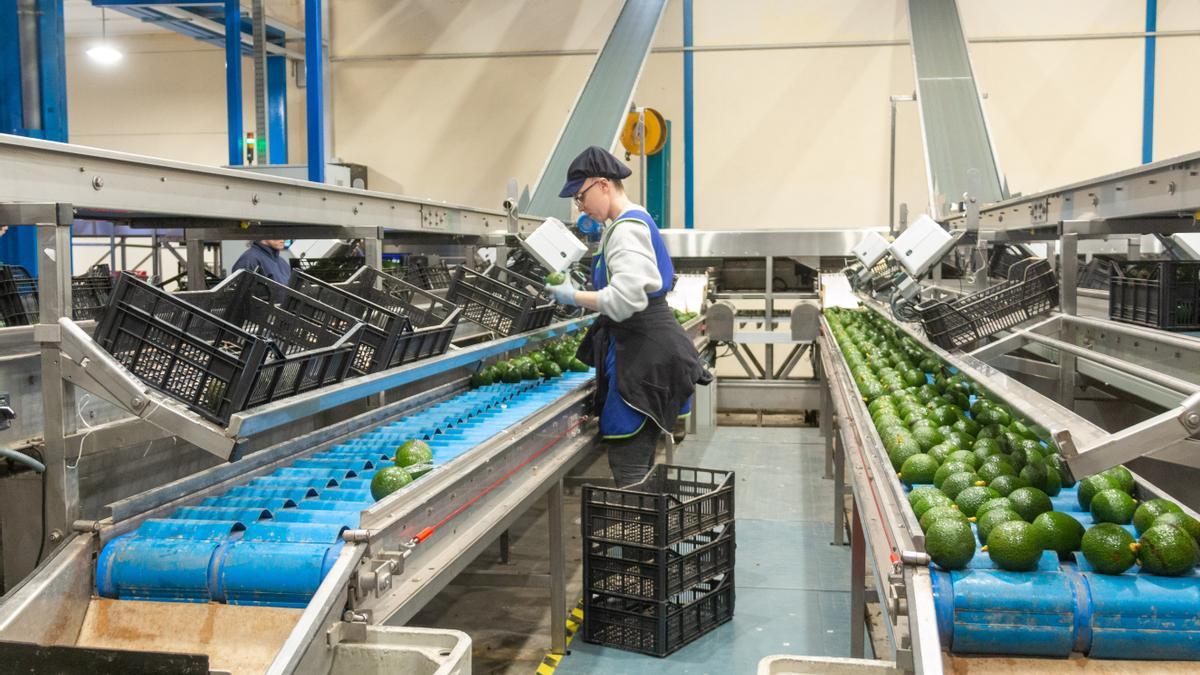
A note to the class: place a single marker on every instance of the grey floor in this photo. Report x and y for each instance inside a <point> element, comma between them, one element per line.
<point>792,585</point>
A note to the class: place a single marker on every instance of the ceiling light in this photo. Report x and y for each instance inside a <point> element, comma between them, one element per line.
<point>104,53</point>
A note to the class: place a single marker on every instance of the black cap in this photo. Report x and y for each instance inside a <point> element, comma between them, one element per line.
<point>595,162</point>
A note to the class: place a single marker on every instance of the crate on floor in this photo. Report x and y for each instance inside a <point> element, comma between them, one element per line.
<point>211,365</point>
<point>657,573</point>
<point>501,300</point>
<point>671,504</point>
<point>1161,294</point>
<point>656,627</point>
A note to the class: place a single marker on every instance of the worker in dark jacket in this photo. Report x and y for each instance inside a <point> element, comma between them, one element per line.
<point>646,367</point>
<point>264,257</point>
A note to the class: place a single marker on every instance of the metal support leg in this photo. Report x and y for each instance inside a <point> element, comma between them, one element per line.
<point>737,354</point>
<point>1068,273</point>
<point>373,251</point>
<point>839,492</point>
<point>504,542</point>
<point>858,572</point>
<point>558,576</point>
<point>769,320</point>
<point>669,445</point>
<point>195,265</point>
<point>826,420</point>
<point>58,399</point>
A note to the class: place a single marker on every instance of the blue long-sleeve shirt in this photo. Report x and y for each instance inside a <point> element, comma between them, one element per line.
<point>267,261</point>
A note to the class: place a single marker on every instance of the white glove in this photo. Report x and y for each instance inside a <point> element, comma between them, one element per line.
<point>564,293</point>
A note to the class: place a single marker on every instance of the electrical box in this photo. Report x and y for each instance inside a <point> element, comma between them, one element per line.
<point>922,245</point>
<point>554,246</point>
<point>870,249</point>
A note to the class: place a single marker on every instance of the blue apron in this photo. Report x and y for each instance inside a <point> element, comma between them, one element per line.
<point>618,419</point>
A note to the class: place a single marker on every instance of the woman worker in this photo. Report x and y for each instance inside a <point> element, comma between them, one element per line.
<point>646,367</point>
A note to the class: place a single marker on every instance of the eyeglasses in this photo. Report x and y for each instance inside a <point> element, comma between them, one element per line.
<point>579,197</point>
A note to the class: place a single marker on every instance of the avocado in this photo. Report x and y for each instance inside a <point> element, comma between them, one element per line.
<point>1113,506</point>
<point>1007,483</point>
<point>994,467</point>
<point>939,512</point>
<point>950,543</point>
<point>1014,546</point>
<point>992,518</point>
<point>958,482</point>
<point>1181,520</point>
<point>1030,502</point>
<point>1146,514</point>
<point>1109,548</point>
<point>1122,476</point>
<point>1059,532</point>
<point>1166,550</point>
<point>918,469</point>
<point>387,480</point>
<point>970,499</point>
<point>948,469</point>
<point>1089,486</point>
<point>995,503</point>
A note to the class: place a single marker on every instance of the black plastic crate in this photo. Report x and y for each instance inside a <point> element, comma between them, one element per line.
<point>1161,294</point>
<point>653,627</point>
<point>1002,257</point>
<point>90,293</point>
<point>671,504</point>
<point>329,269</point>
<point>383,328</point>
<point>653,573</point>
<point>1031,289</point>
<point>1095,273</point>
<point>19,295</point>
<point>434,319</point>
<point>500,299</point>
<point>213,366</point>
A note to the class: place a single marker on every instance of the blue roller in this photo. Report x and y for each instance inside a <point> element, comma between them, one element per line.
<point>1142,616</point>
<point>275,573</point>
<point>333,463</point>
<point>228,513</point>
<point>269,503</point>
<point>169,560</point>
<point>999,612</point>
<point>294,494</point>
<point>300,482</point>
<point>295,472</point>
<point>343,518</point>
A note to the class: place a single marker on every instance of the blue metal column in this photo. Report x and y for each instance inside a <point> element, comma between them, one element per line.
<point>314,84</point>
<point>277,131</point>
<point>1148,83</point>
<point>233,79</point>
<point>689,123</point>
<point>52,69</point>
<point>19,245</point>
<point>12,116</point>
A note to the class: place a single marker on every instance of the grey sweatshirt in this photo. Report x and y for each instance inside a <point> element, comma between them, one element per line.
<point>633,270</point>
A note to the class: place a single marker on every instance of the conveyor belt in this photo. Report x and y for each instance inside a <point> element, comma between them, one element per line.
<point>272,540</point>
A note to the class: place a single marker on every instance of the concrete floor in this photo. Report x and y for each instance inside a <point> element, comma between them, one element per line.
<point>792,584</point>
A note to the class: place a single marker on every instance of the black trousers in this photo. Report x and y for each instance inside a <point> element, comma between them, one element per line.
<point>632,458</point>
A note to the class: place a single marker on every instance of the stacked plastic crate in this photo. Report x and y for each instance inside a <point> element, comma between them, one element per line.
<point>658,559</point>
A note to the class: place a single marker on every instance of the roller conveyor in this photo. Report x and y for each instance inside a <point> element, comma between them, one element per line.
<point>1063,610</point>
<point>273,540</point>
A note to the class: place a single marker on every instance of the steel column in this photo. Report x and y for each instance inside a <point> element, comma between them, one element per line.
<point>558,570</point>
<point>769,322</point>
<point>233,79</point>
<point>195,265</point>
<point>1068,257</point>
<point>314,79</point>
<point>858,572</point>
<point>58,399</point>
<point>689,122</point>
<point>839,491</point>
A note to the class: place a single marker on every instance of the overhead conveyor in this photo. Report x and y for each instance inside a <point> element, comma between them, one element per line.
<point>953,123</point>
<point>599,112</point>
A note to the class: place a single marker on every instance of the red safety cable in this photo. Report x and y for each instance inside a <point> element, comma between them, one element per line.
<point>427,532</point>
